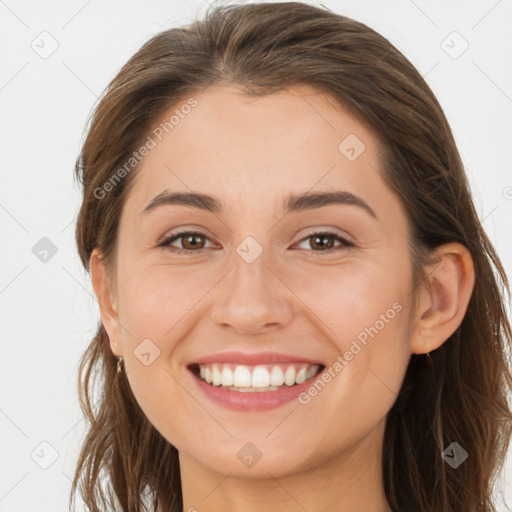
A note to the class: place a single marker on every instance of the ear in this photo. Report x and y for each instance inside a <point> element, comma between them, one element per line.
<point>105,294</point>
<point>444,298</point>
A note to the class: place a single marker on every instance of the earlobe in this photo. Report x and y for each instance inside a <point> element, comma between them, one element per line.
<point>444,298</point>
<point>105,295</point>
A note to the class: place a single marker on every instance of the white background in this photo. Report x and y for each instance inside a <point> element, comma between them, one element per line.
<point>48,314</point>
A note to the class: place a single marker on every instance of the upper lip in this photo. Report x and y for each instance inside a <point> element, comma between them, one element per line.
<point>254,359</point>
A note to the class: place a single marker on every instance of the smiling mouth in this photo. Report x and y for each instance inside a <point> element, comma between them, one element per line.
<point>255,378</point>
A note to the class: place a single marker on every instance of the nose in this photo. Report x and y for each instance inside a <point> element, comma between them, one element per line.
<point>252,298</point>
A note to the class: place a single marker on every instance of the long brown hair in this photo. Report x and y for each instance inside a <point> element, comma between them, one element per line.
<point>462,396</point>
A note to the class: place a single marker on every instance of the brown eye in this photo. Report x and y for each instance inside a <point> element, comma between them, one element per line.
<point>322,241</point>
<point>325,242</point>
<point>191,241</point>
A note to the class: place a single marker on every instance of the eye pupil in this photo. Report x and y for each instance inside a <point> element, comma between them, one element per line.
<point>193,244</point>
<point>321,244</point>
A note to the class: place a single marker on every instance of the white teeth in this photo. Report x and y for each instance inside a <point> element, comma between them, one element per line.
<point>242,377</point>
<point>256,378</point>
<point>301,376</point>
<point>289,376</point>
<point>216,376</point>
<point>260,377</point>
<point>276,376</point>
<point>227,376</point>
<point>312,372</point>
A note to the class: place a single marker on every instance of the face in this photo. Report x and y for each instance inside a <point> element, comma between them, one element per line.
<point>255,285</point>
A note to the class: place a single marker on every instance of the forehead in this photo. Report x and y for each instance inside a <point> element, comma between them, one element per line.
<point>230,143</point>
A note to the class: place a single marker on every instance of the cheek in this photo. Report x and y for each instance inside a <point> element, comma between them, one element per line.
<point>353,300</point>
<point>364,314</point>
<point>153,299</point>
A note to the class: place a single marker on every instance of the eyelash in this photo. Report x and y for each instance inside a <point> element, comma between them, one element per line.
<point>176,236</point>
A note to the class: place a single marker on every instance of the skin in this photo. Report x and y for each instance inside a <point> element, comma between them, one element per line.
<point>251,153</point>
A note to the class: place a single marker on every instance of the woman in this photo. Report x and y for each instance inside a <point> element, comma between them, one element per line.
<point>299,309</point>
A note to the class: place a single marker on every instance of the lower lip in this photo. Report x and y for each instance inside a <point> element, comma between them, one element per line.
<point>255,401</point>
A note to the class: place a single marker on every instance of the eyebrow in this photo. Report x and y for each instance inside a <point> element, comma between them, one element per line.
<point>293,203</point>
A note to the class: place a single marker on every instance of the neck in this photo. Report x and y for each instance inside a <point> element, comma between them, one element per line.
<point>350,481</point>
